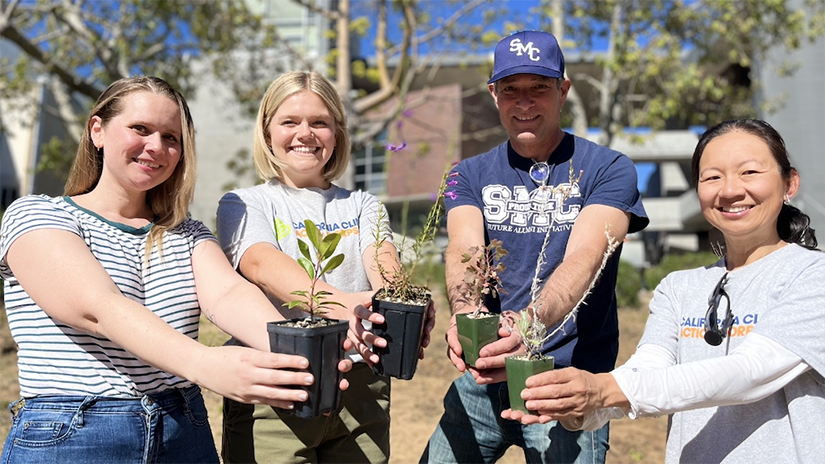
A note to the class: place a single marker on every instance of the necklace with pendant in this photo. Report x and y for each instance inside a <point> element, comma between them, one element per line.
<point>540,173</point>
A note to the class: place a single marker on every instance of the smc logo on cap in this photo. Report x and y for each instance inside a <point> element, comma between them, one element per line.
<point>519,49</point>
<point>528,52</point>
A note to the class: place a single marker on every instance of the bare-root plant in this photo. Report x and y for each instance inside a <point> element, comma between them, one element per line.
<point>398,283</point>
<point>482,275</point>
<point>531,329</point>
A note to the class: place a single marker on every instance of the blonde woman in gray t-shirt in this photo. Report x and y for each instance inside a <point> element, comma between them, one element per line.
<point>735,351</point>
<point>301,145</point>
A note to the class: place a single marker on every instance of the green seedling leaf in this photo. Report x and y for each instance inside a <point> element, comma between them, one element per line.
<point>327,303</point>
<point>313,234</point>
<point>333,262</point>
<point>300,304</point>
<point>302,245</point>
<point>308,267</point>
<point>329,244</point>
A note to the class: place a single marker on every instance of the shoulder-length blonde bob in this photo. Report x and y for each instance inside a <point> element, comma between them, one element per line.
<point>268,166</point>
<point>170,200</point>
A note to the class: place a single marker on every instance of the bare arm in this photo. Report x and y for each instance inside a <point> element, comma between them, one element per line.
<point>278,274</point>
<point>64,278</point>
<point>232,303</point>
<point>465,229</point>
<point>388,257</point>
<point>582,259</point>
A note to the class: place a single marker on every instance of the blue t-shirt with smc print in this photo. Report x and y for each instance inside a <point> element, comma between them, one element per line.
<point>516,212</point>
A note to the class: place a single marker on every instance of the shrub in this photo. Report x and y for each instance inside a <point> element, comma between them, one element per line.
<point>677,262</point>
<point>628,285</point>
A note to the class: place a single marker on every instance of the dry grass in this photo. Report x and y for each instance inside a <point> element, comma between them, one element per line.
<point>417,403</point>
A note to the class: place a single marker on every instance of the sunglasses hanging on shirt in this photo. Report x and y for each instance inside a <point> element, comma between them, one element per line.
<point>539,173</point>
<point>714,331</point>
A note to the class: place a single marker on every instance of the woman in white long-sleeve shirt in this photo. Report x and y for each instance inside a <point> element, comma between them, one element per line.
<point>734,351</point>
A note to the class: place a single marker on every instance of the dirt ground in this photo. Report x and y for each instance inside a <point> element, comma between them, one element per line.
<point>416,404</point>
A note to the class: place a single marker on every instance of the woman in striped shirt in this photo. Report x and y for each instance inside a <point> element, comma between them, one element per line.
<point>104,288</point>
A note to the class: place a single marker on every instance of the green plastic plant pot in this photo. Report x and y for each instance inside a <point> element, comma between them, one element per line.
<point>519,368</point>
<point>474,334</point>
<point>403,328</point>
<point>323,347</point>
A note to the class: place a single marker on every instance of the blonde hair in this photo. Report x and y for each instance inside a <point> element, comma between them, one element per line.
<point>267,164</point>
<point>170,200</point>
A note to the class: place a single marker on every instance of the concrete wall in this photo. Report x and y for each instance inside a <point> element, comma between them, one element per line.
<point>801,119</point>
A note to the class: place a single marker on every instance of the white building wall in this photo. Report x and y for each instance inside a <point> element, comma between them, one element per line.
<point>224,129</point>
<point>801,119</point>
<point>18,138</point>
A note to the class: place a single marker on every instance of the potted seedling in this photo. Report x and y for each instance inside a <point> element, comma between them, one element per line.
<point>481,279</point>
<point>319,340</point>
<point>402,303</point>
<point>531,331</point>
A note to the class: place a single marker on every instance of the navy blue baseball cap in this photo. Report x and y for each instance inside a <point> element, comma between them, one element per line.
<point>528,52</point>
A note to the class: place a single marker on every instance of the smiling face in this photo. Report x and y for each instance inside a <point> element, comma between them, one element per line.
<point>530,110</point>
<point>741,188</point>
<point>142,144</point>
<point>302,137</point>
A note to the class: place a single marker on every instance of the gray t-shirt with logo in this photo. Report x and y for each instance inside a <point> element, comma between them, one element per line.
<point>275,213</point>
<point>780,296</point>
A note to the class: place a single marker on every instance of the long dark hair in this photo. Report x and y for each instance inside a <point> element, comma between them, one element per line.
<point>793,225</point>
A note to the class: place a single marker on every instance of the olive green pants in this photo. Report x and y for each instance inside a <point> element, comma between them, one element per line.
<point>358,432</point>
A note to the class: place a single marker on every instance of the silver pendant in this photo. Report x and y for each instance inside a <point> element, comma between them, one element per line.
<point>539,173</point>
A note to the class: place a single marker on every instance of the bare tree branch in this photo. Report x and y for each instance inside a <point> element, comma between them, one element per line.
<point>438,31</point>
<point>311,6</point>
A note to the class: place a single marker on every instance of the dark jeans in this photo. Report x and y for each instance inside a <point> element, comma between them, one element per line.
<point>472,430</point>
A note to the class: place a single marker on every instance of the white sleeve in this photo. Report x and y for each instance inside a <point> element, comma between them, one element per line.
<point>755,369</point>
<point>646,357</point>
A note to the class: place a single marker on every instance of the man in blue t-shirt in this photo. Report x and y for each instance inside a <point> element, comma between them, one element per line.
<point>499,195</point>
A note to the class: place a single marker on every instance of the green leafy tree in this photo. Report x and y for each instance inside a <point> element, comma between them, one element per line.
<point>86,45</point>
<point>673,63</point>
<point>80,47</point>
<point>76,48</point>
<point>402,30</point>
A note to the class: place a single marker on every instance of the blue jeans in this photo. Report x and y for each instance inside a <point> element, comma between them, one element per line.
<point>472,431</point>
<point>170,427</point>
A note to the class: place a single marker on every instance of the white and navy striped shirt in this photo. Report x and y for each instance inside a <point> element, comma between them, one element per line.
<point>55,359</point>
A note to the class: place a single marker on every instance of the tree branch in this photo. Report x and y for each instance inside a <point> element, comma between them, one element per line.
<point>436,32</point>
<point>72,80</point>
<point>310,5</point>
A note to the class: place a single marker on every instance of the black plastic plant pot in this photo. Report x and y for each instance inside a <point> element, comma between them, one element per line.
<point>323,347</point>
<point>519,368</point>
<point>402,328</point>
<point>476,333</point>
